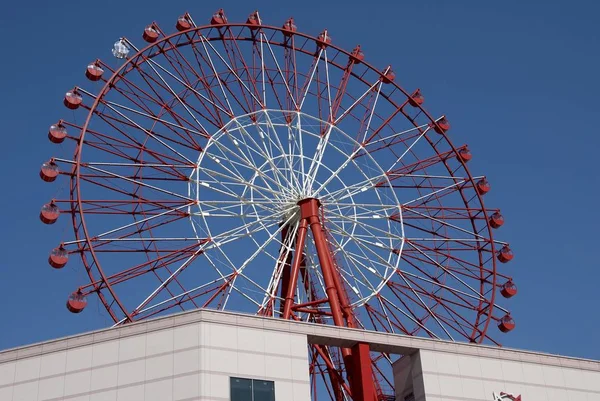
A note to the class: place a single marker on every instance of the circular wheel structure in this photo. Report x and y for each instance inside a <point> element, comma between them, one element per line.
<point>246,167</point>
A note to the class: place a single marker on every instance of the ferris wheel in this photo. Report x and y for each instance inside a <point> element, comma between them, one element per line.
<point>253,168</point>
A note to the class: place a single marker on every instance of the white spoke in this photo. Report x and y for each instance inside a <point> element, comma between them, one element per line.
<point>212,66</point>
<point>328,82</point>
<point>443,239</point>
<point>169,279</point>
<point>440,177</point>
<point>442,267</point>
<point>293,181</point>
<point>339,169</point>
<point>202,248</point>
<point>232,71</point>
<point>354,189</point>
<point>411,318</point>
<point>264,245</point>
<point>349,109</point>
<point>135,165</point>
<point>268,157</point>
<point>237,180</point>
<point>396,135</point>
<point>310,79</point>
<point>181,102</point>
<point>451,289</point>
<point>154,118</point>
<point>262,71</point>
<point>291,96</point>
<point>238,176</point>
<point>372,112</point>
<point>147,132</point>
<point>425,306</point>
<point>138,239</point>
<point>317,158</point>
<point>137,182</point>
<point>301,153</point>
<point>367,227</point>
<point>181,295</point>
<point>351,257</point>
<point>408,149</point>
<point>451,186</point>
<point>142,221</point>
<point>288,244</point>
<point>206,99</point>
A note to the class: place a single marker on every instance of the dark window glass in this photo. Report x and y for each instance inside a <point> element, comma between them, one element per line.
<point>251,390</point>
<point>263,390</point>
<point>241,389</point>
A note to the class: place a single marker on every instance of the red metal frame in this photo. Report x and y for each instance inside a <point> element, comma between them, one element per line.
<point>152,213</point>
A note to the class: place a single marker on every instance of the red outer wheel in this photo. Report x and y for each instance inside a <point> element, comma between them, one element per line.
<point>244,166</point>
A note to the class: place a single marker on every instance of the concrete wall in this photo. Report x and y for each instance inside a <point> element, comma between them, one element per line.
<point>190,356</point>
<point>408,377</point>
<point>189,362</point>
<point>450,376</point>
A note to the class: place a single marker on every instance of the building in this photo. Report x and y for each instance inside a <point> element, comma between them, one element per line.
<point>221,356</point>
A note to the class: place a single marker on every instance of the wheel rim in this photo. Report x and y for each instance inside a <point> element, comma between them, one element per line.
<point>242,123</point>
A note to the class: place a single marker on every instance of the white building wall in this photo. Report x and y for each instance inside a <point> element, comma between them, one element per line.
<point>189,362</point>
<point>191,356</point>
<point>450,376</point>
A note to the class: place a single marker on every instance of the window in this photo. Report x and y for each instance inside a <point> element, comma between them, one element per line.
<point>251,390</point>
<point>263,390</point>
<point>240,389</point>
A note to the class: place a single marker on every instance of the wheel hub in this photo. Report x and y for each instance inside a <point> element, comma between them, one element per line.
<point>284,166</point>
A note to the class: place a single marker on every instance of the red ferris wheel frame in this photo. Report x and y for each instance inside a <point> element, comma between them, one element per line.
<point>340,309</point>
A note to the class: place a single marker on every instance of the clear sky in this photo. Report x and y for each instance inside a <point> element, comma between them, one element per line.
<point>517,79</point>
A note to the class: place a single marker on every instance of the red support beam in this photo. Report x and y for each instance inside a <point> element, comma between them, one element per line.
<point>309,210</point>
<point>362,374</point>
<point>289,296</point>
<point>358,360</point>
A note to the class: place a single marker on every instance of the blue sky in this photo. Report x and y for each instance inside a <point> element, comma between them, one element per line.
<point>517,79</point>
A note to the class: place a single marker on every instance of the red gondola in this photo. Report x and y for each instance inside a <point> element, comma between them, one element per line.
<point>94,72</point>
<point>506,324</point>
<point>505,255</point>
<point>49,171</point>
<point>465,155</point>
<point>416,99</point>
<point>58,257</point>
<point>509,289</point>
<point>388,75</point>
<point>253,20</point>
<point>483,186</point>
<point>219,18</point>
<point>49,213</point>
<point>183,23</point>
<point>150,34</point>
<point>496,220</point>
<point>57,133</point>
<point>72,99</point>
<point>442,125</point>
<point>357,56</point>
<point>289,27</point>
<point>76,302</point>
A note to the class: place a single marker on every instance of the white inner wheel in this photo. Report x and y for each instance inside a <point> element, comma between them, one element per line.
<point>248,182</point>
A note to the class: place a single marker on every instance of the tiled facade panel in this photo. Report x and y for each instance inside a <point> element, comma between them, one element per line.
<point>191,356</point>
<point>189,362</point>
<point>449,376</point>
